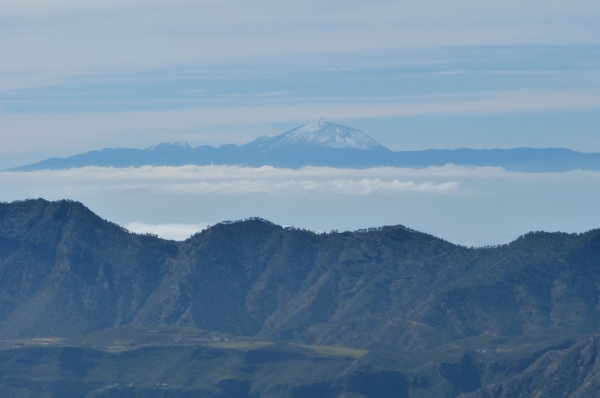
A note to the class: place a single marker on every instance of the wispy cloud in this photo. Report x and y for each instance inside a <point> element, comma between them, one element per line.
<point>265,181</point>
<point>294,187</point>
<point>232,180</point>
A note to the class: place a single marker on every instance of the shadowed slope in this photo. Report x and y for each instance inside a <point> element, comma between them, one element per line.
<point>64,271</point>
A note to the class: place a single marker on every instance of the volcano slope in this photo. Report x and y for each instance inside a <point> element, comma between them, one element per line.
<point>439,318</point>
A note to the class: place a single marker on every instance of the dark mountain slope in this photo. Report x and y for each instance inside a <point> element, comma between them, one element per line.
<point>572,372</point>
<point>64,272</point>
<point>437,319</point>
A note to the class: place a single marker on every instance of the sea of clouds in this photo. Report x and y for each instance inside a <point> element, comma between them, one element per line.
<point>467,205</point>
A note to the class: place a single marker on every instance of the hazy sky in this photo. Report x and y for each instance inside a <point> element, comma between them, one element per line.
<point>77,76</point>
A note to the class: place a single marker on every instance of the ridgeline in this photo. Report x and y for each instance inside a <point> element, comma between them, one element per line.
<point>400,311</point>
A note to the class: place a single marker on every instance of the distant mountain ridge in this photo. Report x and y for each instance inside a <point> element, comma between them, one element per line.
<point>323,143</point>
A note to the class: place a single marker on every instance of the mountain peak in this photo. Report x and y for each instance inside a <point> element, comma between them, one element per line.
<point>320,133</point>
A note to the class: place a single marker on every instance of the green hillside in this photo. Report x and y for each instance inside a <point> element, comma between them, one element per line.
<point>381,307</point>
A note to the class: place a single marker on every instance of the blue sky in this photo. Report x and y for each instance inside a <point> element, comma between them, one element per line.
<point>78,76</point>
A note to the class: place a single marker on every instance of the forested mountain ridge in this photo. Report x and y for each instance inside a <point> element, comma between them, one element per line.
<point>251,309</point>
<point>64,272</point>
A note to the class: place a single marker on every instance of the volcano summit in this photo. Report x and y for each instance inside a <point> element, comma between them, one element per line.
<point>323,143</point>
<point>319,134</point>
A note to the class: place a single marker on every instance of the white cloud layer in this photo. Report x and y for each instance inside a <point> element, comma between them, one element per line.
<point>467,205</point>
<point>233,180</point>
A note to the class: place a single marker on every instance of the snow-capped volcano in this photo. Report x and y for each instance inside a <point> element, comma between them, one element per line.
<point>320,134</point>
<point>322,144</point>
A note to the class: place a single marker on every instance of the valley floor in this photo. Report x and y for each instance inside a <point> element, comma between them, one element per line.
<point>162,361</point>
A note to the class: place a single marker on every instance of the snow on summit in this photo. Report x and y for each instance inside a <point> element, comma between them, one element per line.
<point>321,134</point>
